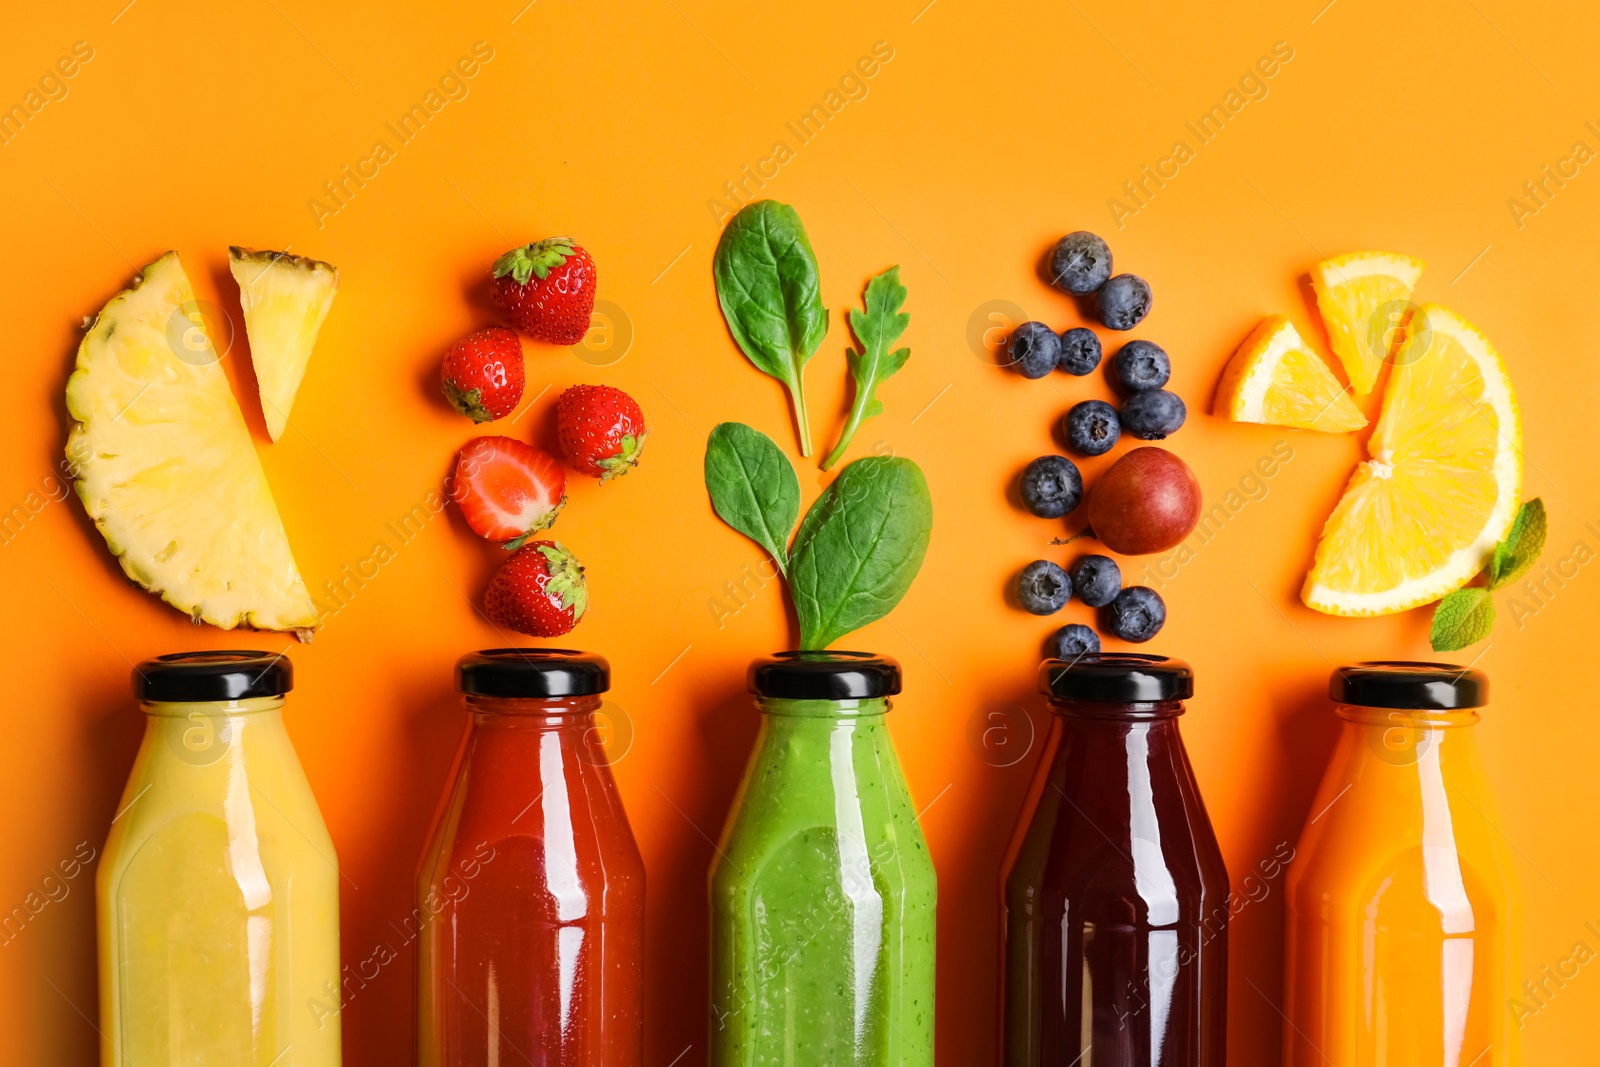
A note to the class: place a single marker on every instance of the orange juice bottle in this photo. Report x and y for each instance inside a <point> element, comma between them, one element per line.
<point>1402,927</point>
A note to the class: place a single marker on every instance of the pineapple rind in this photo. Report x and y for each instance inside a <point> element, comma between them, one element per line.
<point>165,466</point>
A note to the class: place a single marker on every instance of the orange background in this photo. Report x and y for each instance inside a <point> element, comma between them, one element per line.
<point>992,130</point>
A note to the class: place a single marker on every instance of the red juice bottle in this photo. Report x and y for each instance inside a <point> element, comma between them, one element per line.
<point>531,893</point>
<point>1116,897</point>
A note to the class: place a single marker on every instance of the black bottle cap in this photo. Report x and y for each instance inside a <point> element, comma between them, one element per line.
<point>1409,685</point>
<point>236,674</point>
<point>824,676</point>
<point>1117,678</point>
<point>532,673</point>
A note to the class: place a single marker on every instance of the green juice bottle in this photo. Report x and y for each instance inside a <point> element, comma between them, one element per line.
<point>823,892</point>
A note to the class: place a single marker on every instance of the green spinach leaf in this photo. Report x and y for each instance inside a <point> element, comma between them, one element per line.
<point>876,329</point>
<point>771,297</point>
<point>753,487</point>
<point>859,548</point>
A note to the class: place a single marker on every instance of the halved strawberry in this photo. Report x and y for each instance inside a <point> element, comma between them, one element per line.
<point>507,490</point>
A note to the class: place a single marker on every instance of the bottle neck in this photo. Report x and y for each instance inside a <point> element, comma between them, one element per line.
<point>188,709</point>
<point>532,712</point>
<point>1407,718</point>
<point>1098,711</point>
<point>823,710</point>
<point>212,733</point>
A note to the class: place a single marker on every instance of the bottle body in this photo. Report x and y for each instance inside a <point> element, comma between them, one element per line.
<point>530,898</point>
<point>822,899</point>
<point>218,898</point>
<point>1401,916</point>
<point>1115,900</point>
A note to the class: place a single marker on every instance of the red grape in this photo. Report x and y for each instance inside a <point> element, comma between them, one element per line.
<point>1148,501</point>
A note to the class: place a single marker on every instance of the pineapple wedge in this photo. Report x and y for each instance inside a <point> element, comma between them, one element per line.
<point>285,298</point>
<point>166,468</point>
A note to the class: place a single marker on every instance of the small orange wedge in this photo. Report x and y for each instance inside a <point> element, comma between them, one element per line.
<point>1275,378</point>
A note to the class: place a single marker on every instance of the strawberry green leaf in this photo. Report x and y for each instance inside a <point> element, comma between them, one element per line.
<point>566,578</point>
<point>1463,618</point>
<point>469,402</point>
<point>544,523</point>
<point>534,260</point>
<point>876,328</point>
<point>1513,556</point>
<point>626,457</point>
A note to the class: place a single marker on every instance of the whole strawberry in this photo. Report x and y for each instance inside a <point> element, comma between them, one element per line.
<point>547,289</point>
<point>483,374</point>
<point>600,429</point>
<point>539,590</point>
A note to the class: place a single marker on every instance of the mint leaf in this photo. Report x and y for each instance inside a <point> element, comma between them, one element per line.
<point>876,329</point>
<point>771,296</point>
<point>1463,618</point>
<point>753,487</point>
<point>1513,556</point>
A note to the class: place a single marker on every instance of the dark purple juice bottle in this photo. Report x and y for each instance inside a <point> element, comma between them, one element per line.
<point>1116,898</point>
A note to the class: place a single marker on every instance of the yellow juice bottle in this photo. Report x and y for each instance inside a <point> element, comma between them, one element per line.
<point>218,892</point>
<point>1402,925</point>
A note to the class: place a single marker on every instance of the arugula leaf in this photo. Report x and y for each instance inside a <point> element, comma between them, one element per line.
<point>1463,618</point>
<point>753,487</point>
<point>859,548</point>
<point>771,297</point>
<point>1513,556</point>
<point>876,329</point>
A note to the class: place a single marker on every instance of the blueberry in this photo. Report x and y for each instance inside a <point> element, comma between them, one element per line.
<point>1080,351</point>
<point>1124,301</point>
<point>1043,587</point>
<point>1141,365</point>
<point>1035,349</point>
<point>1137,613</point>
<point>1051,486</point>
<point>1153,414</point>
<point>1080,264</point>
<point>1097,579</point>
<point>1074,640</point>
<point>1092,427</point>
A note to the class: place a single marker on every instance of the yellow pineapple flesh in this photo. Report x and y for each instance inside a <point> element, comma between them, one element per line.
<point>166,468</point>
<point>285,300</point>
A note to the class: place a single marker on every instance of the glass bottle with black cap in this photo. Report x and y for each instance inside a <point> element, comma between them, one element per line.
<point>1116,897</point>
<point>1402,912</point>
<point>218,891</point>
<point>822,892</point>
<point>530,896</point>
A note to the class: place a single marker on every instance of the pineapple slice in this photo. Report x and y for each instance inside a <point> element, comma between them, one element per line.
<point>285,298</point>
<point>166,468</point>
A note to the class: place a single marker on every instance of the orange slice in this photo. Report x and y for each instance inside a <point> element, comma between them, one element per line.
<point>1422,516</point>
<point>1365,299</point>
<point>1275,378</point>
